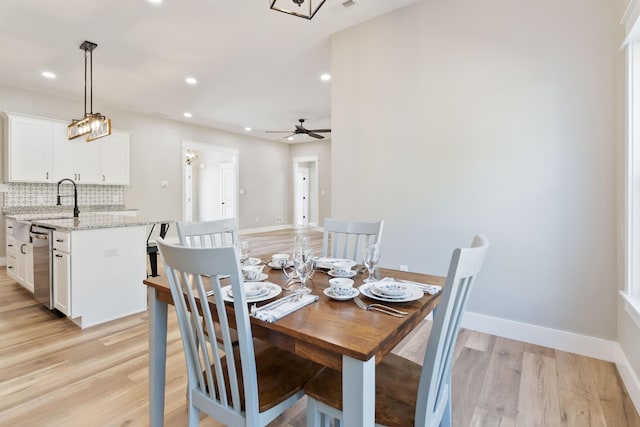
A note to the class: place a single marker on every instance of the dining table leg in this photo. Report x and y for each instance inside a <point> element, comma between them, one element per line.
<point>157,357</point>
<point>358,391</point>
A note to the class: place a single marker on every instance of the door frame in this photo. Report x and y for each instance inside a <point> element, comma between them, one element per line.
<point>314,199</point>
<point>200,146</point>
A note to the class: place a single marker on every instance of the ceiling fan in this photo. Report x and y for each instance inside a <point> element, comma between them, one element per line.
<point>300,129</point>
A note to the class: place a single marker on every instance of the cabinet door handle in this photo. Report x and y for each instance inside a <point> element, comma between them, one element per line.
<point>10,246</point>
<point>59,240</point>
<point>103,178</point>
<point>9,266</point>
<point>10,226</point>
<point>58,256</point>
<point>47,175</point>
<point>22,249</point>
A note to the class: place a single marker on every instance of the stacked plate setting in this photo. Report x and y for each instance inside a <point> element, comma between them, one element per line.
<point>390,291</point>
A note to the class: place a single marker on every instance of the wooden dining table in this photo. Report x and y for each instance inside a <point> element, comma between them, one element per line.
<point>336,334</point>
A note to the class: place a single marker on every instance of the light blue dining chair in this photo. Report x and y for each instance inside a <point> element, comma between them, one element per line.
<point>208,234</point>
<point>247,385</point>
<point>344,238</point>
<point>408,394</point>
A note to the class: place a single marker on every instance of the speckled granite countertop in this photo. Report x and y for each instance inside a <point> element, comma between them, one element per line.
<point>89,221</point>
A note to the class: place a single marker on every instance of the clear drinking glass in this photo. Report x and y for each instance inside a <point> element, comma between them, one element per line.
<point>301,240</point>
<point>245,251</point>
<point>370,257</point>
<point>303,264</point>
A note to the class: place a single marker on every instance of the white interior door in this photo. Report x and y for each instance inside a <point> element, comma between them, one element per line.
<point>302,197</point>
<point>188,193</point>
<point>227,190</point>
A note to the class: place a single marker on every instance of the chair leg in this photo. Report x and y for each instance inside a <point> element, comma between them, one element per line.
<point>153,260</point>
<point>314,417</point>
<point>194,413</point>
<point>446,420</point>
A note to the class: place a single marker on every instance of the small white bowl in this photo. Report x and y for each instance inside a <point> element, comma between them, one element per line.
<point>343,267</point>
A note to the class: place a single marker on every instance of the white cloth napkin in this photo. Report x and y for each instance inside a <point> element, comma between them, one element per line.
<point>280,308</point>
<point>425,287</point>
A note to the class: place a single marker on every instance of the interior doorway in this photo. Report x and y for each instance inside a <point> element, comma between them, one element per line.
<point>305,191</point>
<point>210,180</point>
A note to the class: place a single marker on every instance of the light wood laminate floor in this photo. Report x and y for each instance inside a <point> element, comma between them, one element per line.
<point>54,374</point>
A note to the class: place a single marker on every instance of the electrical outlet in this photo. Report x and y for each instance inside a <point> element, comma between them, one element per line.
<point>279,220</point>
<point>111,252</point>
<point>404,267</point>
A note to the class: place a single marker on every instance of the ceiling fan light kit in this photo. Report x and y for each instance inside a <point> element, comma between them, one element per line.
<point>301,8</point>
<point>94,125</point>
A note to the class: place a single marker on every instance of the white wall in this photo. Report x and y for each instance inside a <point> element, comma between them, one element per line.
<point>495,117</point>
<point>156,155</point>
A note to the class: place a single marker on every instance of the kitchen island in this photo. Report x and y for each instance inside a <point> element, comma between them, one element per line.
<point>98,263</point>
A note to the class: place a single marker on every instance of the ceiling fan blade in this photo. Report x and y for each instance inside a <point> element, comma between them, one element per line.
<point>277,131</point>
<point>315,135</point>
<point>319,130</point>
<point>289,136</point>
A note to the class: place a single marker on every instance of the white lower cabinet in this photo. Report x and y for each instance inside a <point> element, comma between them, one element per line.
<point>62,282</point>
<point>24,265</point>
<point>62,272</point>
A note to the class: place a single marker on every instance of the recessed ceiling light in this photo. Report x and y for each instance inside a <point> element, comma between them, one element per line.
<point>187,115</point>
<point>325,77</point>
<point>48,75</point>
<point>155,1</point>
<point>290,138</point>
<point>191,80</point>
<point>247,128</point>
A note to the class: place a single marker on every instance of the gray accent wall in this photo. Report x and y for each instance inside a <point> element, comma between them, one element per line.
<point>496,117</point>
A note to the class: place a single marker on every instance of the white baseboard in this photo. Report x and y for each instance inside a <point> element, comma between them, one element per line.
<point>547,337</point>
<point>629,377</point>
<point>560,340</point>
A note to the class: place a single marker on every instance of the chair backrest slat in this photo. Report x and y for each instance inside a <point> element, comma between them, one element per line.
<point>343,239</point>
<point>435,388</point>
<point>191,273</point>
<point>208,234</point>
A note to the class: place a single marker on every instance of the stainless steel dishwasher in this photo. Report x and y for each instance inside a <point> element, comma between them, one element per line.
<point>42,271</point>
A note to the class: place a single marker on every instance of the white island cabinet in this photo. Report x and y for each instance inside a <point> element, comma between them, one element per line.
<point>98,273</point>
<point>98,264</point>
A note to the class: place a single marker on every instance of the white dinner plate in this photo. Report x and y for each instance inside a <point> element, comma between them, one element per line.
<point>263,276</point>
<point>251,261</point>
<point>276,266</point>
<point>272,290</point>
<point>413,293</point>
<point>336,274</point>
<point>352,294</point>
<point>380,294</point>
<point>327,263</point>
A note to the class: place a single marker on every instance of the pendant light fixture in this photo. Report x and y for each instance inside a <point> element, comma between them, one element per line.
<point>94,125</point>
<point>300,9</point>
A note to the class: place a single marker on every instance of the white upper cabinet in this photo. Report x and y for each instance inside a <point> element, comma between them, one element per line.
<point>37,150</point>
<point>75,159</point>
<point>113,158</point>
<point>27,149</point>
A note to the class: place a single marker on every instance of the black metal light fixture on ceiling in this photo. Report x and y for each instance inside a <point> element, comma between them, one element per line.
<point>306,11</point>
<point>94,125</point>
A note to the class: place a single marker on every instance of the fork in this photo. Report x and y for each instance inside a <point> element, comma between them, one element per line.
<point>379,307</point>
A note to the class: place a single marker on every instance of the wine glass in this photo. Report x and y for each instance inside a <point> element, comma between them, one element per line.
<point>370,257</point>
<point>303,264</point>
<point>245,251</point>
<point>301,240</point>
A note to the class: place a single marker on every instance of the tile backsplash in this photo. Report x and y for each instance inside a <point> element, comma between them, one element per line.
<point>28,194</point>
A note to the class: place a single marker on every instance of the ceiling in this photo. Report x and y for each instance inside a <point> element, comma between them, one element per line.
<point>255,67</point>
